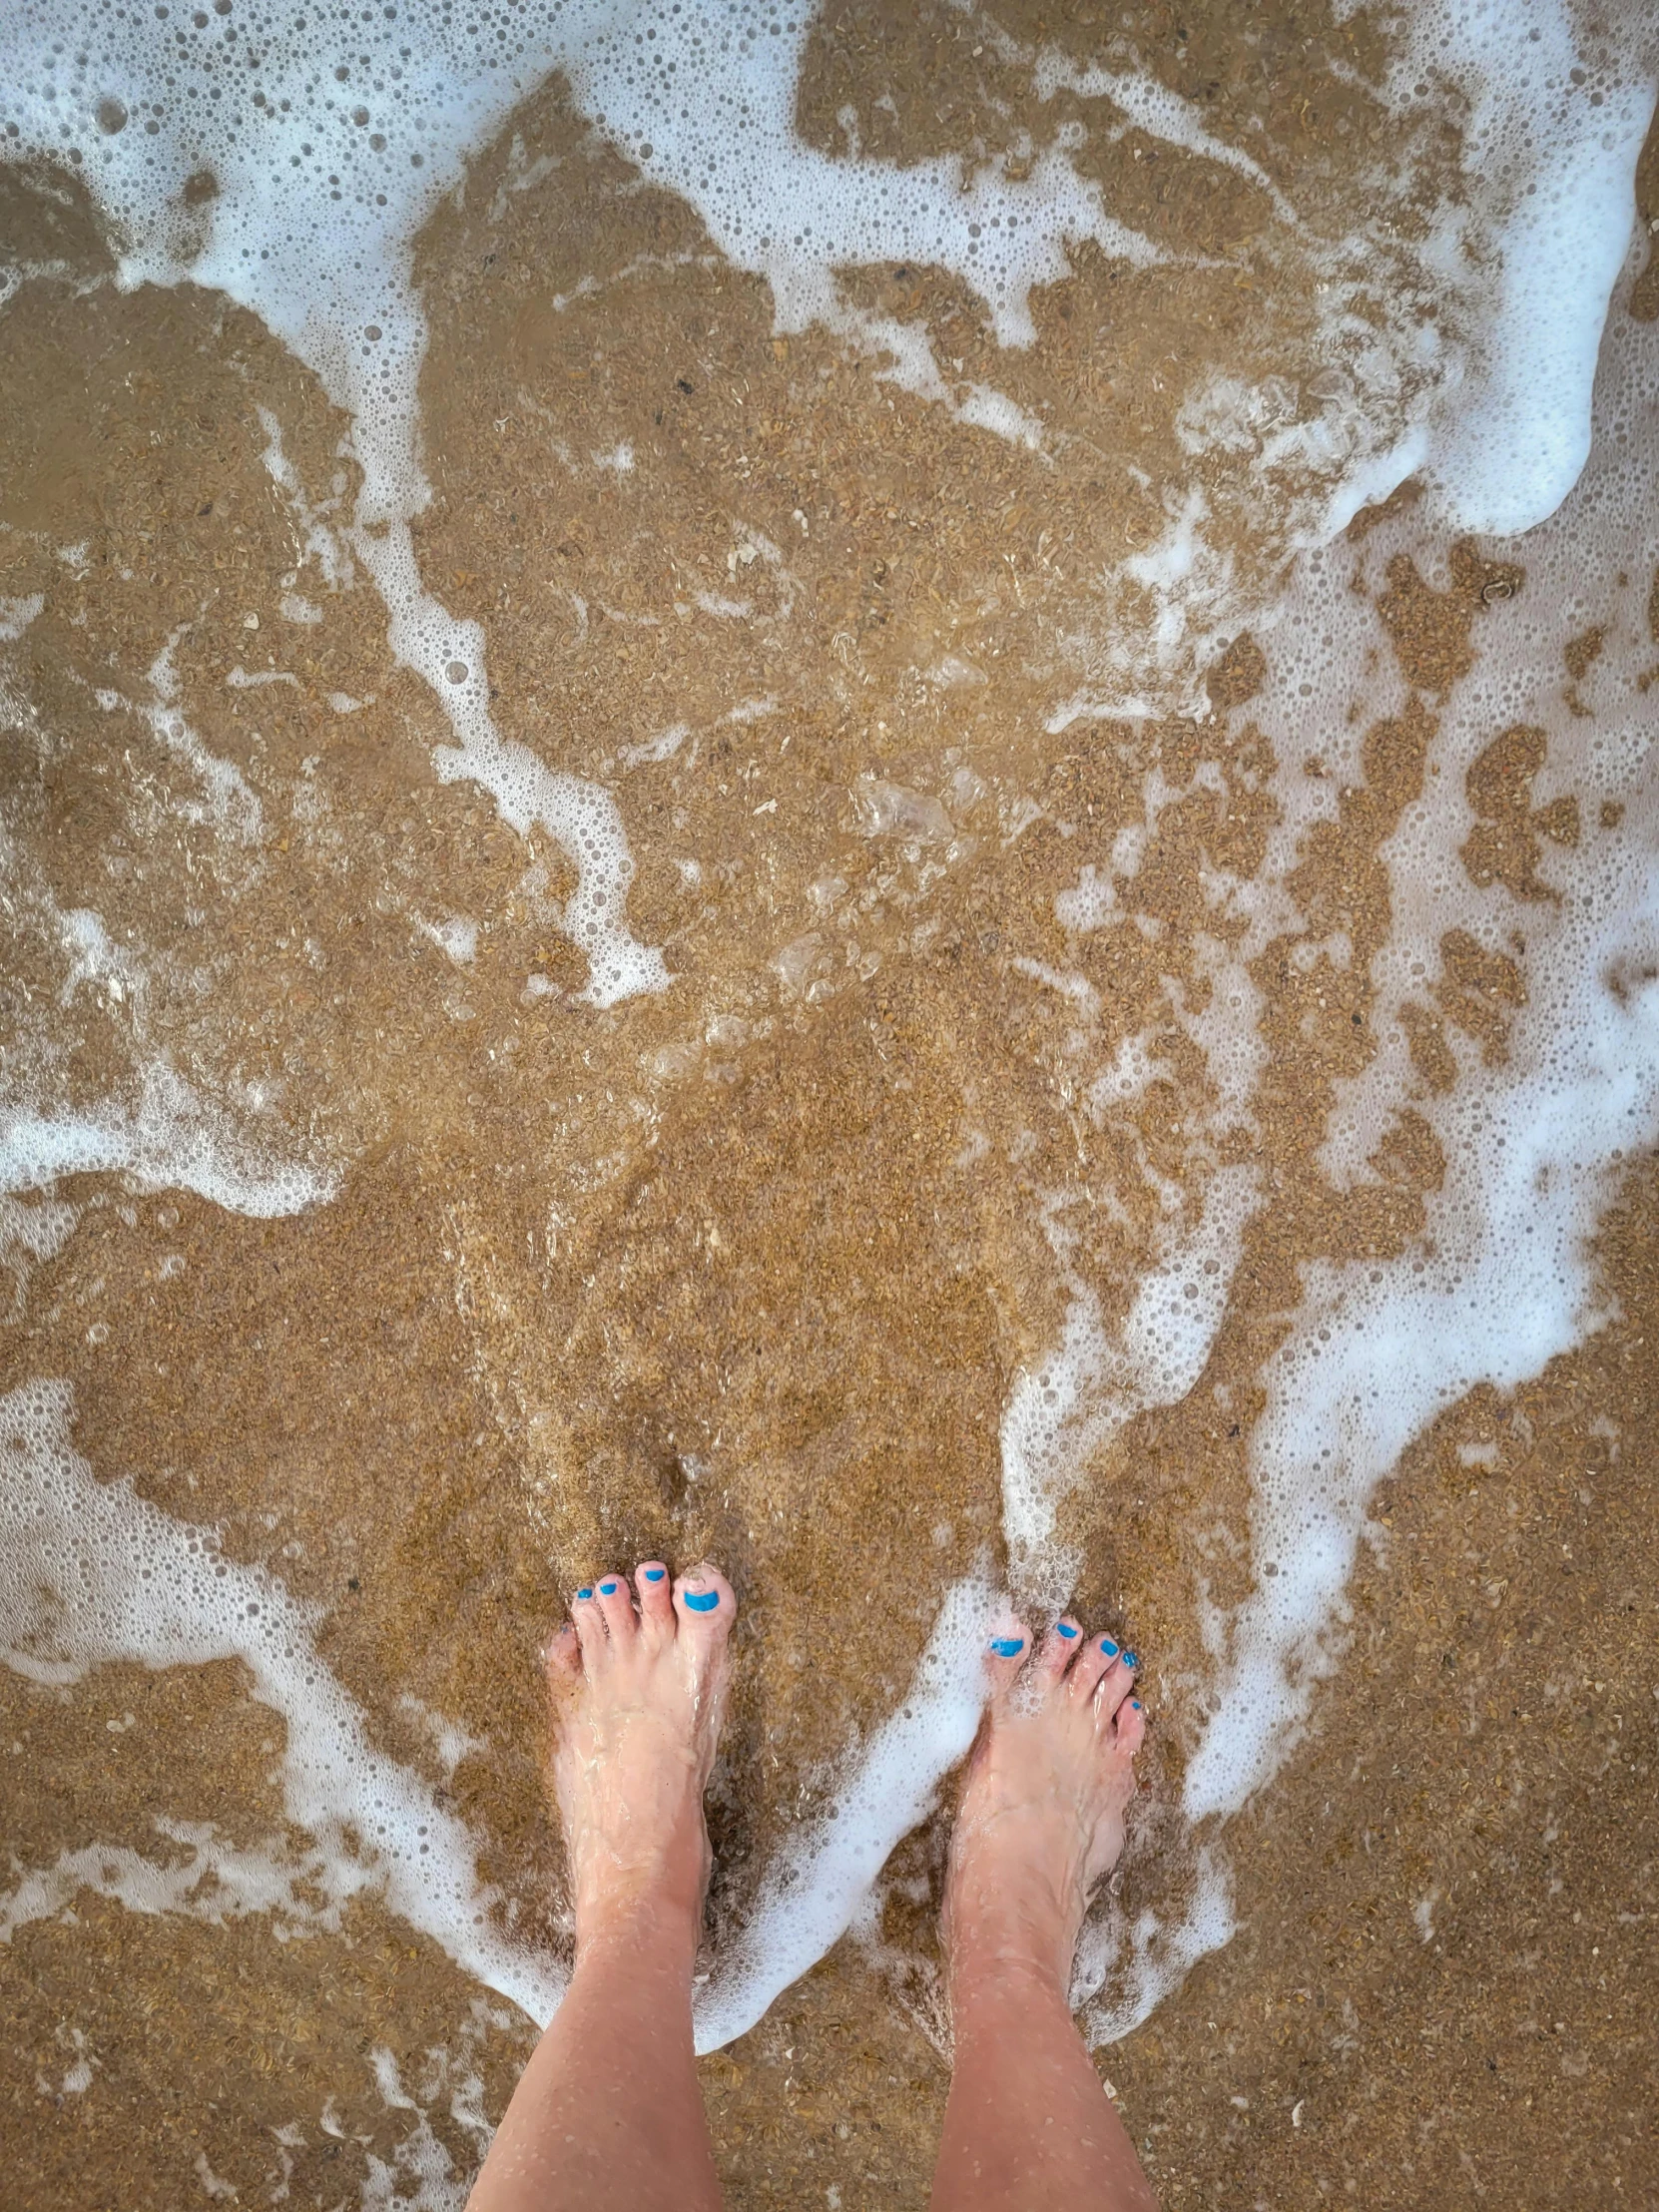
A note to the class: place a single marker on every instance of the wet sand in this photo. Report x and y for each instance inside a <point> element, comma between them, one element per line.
<point>749,1268</point>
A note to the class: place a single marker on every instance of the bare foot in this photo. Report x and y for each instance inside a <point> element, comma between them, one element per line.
<point>637,1697</point>
<point>1042,1812</point>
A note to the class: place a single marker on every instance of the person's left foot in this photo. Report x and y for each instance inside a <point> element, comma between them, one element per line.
<point>638,1695</point>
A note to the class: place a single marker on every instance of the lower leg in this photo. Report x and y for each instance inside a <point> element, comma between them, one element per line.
<point>609,2107</point>
<point>1028,2123</point>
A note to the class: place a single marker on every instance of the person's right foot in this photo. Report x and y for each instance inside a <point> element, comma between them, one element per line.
<point>1042,1811</point>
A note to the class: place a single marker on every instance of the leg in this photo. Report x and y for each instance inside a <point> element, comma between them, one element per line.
<point>609,2109</point>
<point>1029,2127</point>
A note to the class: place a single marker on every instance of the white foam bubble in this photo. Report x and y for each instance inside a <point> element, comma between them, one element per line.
<point>174,1138</point>
<point>456,938</point>
<point>1487,403</point>
<point>1504,1282</point>
<point>323,525</point>
<point>204,1878</point>
<point>1132,1070</point>
<point>1551,138</point>
<point>156,1128</point>
<point>1533,1139</point>
<point>420,2176</point>
<point>331,139</point>
<point>1145,1958</point>
<point>17,614</point>
<point>1065,1409</point>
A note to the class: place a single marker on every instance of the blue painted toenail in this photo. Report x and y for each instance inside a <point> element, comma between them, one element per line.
<point>607,1589</point>
<point>1006,1647</point>
<point>584,1593</point>
<point>702,1601</point>
<point>655,1574</point>
<point>1108,1647</point>
<point>1130,1660</point>
<point>1065,1629</point>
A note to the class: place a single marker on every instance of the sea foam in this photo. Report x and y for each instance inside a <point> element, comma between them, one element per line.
<point>90,1572</point>
<point>156,1129</point>
<point>1504,1278</point>
<point>330,137</point>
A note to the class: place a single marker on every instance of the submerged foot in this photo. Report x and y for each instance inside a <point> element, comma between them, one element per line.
<point>1042,1812</point>
<point>638,1678</point>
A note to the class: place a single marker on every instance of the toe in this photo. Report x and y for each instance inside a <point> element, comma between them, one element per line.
<point>704,1604</point>
<point>564,1657</point>
<point>591,1632</point>
<point>1099,1653</point>
<point>656,1598</point>
<point>1114,1688</point>
<point>615,1602</point>
<point>1058,1649</point>
<point>1006,1652</point>
<point>1129,1727</point>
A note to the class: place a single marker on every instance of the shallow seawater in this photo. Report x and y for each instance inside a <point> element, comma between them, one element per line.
<point>867,789</point>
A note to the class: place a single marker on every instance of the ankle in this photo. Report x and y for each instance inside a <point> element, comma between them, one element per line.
<point>1021,1946</point>
<point>989,1989</point>
<point>656,1881</point>
<point>654,1931</point>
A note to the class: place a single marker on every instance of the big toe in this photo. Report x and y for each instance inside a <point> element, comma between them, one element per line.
<point>1005,1653</point>
<point>704,1607</point>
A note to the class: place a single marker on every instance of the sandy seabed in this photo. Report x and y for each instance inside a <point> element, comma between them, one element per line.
<point>751,1267</point>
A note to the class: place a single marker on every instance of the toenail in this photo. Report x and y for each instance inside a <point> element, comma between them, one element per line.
<point>588,1592</point>
<point>1108,1647</point>
<point>702,1601</point>
<point>655,1574</point>
<point>1006,1646</point>
<point>1065,1629</point>
<point>607,1589</point>
<point>1130,1659</point>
